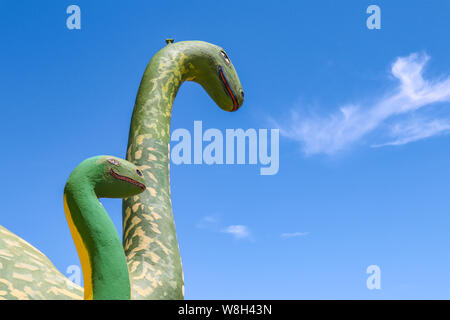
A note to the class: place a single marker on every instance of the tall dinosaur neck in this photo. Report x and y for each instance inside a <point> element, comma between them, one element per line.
<point>149,236</point>
<point>98,245</point>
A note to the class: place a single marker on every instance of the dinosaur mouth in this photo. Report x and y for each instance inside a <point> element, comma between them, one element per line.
<point>230,92</point>
<point>127,179</point>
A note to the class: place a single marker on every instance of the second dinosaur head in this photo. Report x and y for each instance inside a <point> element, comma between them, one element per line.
<point>108,176</point>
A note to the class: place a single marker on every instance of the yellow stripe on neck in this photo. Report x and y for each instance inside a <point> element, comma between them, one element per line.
<point>82,253</point>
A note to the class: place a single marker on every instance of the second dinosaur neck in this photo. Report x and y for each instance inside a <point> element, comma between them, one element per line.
<point>98,245</point>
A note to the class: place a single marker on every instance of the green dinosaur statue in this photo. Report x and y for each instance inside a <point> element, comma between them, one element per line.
<point>26,273</point>
<point>149,236</point>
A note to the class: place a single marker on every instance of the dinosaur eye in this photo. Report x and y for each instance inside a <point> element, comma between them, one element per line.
<point>224,55</point>
<point>113,161</point>
<point>139,172</point>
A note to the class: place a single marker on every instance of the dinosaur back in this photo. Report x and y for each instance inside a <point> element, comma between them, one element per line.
<point>26,273</point>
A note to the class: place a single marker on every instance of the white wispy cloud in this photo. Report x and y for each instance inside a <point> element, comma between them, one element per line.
<point>293,234</point>
<point>238,231</point>
<point>213,223</point>
<point>208,222</point>
<point>352,122</point>
<point>417,129</point>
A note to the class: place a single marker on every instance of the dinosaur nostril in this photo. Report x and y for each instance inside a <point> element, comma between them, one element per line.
<point>242,93</point>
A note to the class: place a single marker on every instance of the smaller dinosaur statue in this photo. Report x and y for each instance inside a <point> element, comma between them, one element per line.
<point>26,273</point>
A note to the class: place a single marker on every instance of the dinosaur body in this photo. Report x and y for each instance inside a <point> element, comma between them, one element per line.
<point>27,274</point>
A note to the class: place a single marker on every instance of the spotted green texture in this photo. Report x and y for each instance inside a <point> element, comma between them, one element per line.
<point>149,236</point>
<point>26,273</point>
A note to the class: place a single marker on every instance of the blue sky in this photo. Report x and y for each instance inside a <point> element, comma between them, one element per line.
<point>364,123</point>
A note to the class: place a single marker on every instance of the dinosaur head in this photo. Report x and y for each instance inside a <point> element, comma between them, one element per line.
<point>224,86</point>
<point>211,67</point>
<point>119,179</point>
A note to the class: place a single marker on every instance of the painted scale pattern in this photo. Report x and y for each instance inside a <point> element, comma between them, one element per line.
<point>149,236</point>
<point>27,274</point>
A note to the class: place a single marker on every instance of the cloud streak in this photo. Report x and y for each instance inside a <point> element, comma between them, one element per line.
<point>212,223</point>
<point>238,231</point>
<point>348,125</point>
<point>208,222</point>
<point>417,129</point>
<point>293,235</point>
